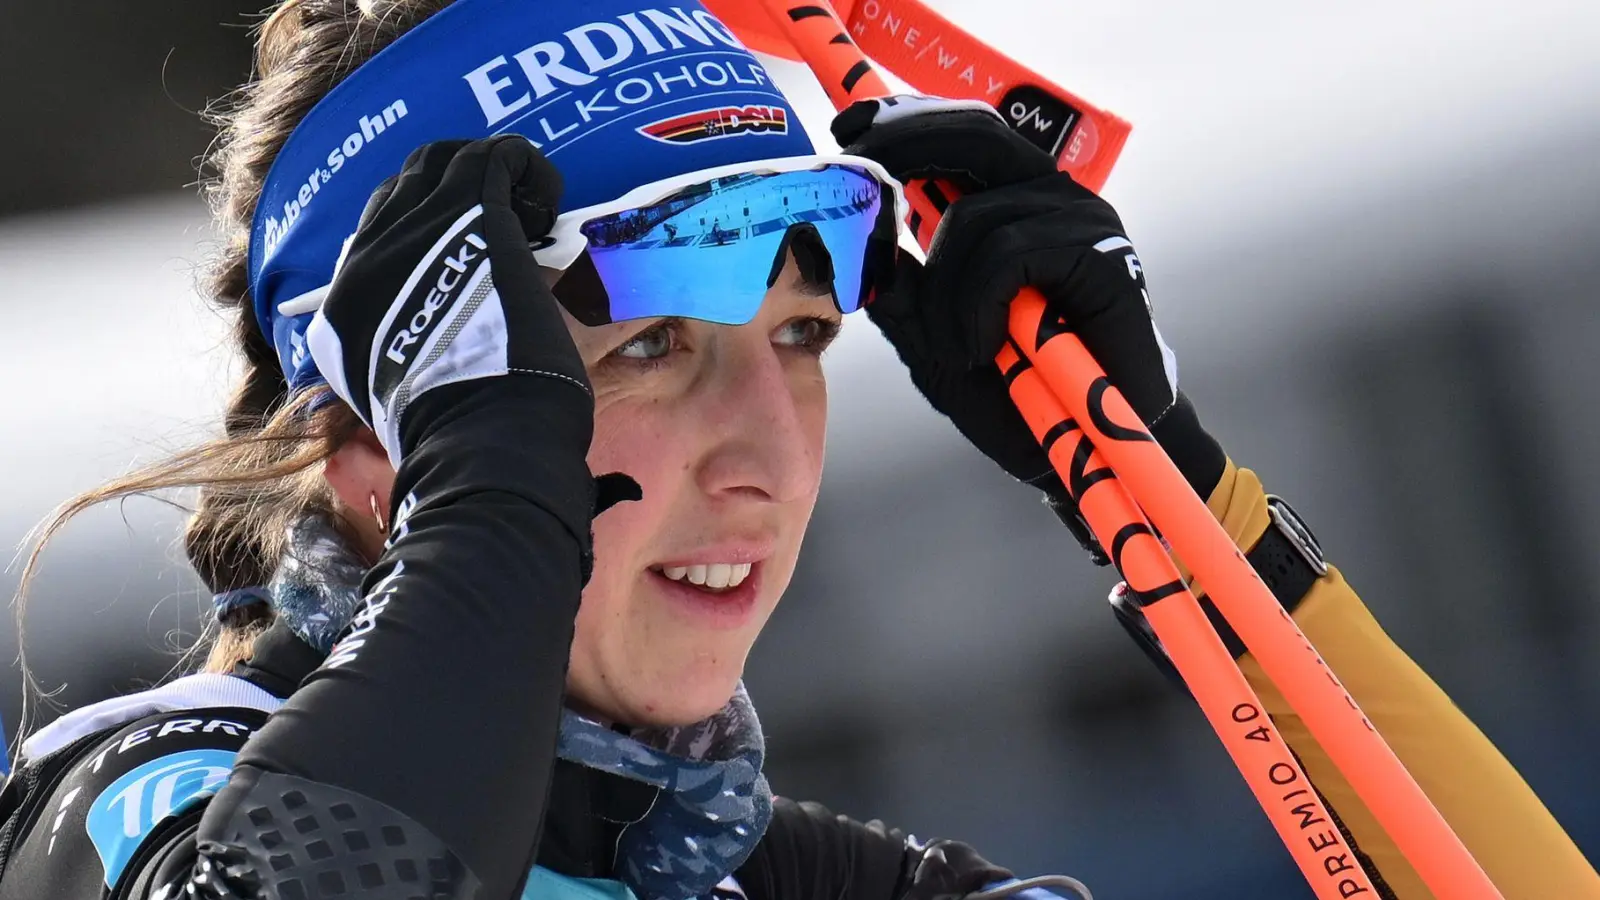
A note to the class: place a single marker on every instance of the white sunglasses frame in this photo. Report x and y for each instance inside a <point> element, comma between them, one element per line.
<point>566,242</point>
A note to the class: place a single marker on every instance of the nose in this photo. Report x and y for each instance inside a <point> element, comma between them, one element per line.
<point>765,423</point>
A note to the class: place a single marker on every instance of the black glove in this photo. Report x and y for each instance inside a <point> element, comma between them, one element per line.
<point>1019,223</point>
<point>438,286</point>
<point>950,870</point>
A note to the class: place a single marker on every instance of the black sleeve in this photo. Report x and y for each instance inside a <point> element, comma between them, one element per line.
<point>430,731</point>
<point>808,853</point>
<point>96,818</point>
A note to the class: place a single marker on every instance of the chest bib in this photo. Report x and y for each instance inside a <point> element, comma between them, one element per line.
<point>544,884</point>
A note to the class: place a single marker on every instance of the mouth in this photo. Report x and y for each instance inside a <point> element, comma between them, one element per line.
<point>713,577</point>
<point>719,595</point>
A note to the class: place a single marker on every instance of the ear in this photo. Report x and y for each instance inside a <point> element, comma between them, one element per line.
<point>362,478</point>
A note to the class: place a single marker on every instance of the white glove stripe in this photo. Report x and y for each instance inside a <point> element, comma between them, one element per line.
<point>479,286</point>
<point>902,106</point>
<point>328,351</point>
<point>380,337</point>
<point>1169,361</point>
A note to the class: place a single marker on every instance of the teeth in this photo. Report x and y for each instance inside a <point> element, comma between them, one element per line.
<point>716,576</point>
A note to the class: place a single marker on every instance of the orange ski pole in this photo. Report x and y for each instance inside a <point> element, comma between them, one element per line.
<point>1285,654</point>
<point>1073,376</point>
<point>1225,697</point>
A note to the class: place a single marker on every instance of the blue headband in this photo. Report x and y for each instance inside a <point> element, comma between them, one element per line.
<point>604,88</point>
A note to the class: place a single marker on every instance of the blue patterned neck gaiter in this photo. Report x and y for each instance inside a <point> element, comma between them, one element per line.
<point>316,588</point>
<point>714,805</point>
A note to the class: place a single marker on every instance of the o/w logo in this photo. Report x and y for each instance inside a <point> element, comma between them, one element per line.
<point>132,806</point>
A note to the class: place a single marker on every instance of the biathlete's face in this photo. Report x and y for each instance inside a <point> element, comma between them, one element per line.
<point>723,427</point>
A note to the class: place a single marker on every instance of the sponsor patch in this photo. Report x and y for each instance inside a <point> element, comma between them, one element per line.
<point>365,130</point>
<point>719,122</point>
<point>366,619</point>
<point>1040,116</point>
<point>130,808</point>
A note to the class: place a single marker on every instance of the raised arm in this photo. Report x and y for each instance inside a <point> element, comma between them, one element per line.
<point>1022,223</point>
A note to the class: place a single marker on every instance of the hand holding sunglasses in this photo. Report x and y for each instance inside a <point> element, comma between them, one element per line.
<point>437,285</point>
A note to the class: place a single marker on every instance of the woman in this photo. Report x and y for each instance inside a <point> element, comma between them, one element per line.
<point>407,698</point>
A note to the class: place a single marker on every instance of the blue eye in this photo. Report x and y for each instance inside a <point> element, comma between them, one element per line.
<point>812,333</point>
<point>652,343</point>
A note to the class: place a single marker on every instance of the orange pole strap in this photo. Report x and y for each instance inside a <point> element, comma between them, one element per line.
<point>933,55</point>
<point>936,56</point>
<point>1230,705</point>
<point>1079,385</point>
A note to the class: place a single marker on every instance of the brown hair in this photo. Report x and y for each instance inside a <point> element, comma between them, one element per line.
<point>264,472</point>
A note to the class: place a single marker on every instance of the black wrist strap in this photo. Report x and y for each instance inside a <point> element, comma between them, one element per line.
<point>1288,559</point>
<point>1070,516</point>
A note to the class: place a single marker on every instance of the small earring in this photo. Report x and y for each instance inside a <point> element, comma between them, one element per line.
<point>376,515</point>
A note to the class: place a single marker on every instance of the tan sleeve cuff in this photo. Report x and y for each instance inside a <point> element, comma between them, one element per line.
<point>1498,817</point>
<point>1240,504</point>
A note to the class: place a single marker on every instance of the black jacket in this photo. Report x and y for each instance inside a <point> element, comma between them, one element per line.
<point>388,770</point>
<point>113,812</point>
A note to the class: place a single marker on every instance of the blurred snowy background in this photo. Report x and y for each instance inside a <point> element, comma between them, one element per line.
<point>1370,231</point>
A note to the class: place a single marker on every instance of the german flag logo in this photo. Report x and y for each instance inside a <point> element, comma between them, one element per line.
<point>721,122</point>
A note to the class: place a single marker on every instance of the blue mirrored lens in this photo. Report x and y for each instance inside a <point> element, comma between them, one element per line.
<point>708,251</point>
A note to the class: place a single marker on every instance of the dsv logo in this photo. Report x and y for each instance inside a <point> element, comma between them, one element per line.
<point>723,121</point>
<point>440,293</point>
